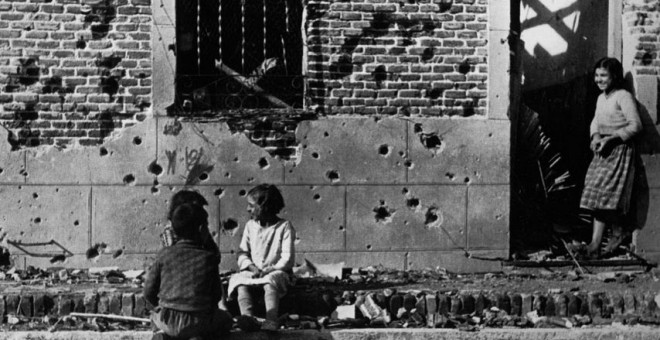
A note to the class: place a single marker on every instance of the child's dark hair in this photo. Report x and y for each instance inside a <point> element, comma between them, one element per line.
<point>186,218</point>
<point>185,196</point>
<point>614,67</point>
<point>268,197</point>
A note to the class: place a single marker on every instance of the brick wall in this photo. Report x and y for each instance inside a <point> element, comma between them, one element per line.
<point>641,24</point>
<point>73,71</point>
<point>388,56</point>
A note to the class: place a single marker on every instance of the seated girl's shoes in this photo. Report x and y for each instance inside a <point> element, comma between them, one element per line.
<point>613,243</point>
<point>269,326</point>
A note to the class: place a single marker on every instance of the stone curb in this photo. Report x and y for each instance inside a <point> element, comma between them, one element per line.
<point>628,333</point>
<point>596,304</point>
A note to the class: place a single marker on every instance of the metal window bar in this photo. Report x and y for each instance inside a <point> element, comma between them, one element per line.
<point>239,54</point>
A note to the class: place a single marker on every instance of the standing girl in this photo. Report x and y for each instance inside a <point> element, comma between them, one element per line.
<point>266,254</point>
<point>608,183</point>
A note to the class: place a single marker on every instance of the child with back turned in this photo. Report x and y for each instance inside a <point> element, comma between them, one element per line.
<point>266,255</point>
<point>184,284</point>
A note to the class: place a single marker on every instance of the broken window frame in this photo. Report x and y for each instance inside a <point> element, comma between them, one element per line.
<point>264,68</point>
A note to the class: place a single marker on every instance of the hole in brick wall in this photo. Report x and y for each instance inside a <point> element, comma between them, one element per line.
<point>332,175</point>
<point>219,192</point>
<point>81,43</point>
<point>434,93</point>
<point>647,59</point>
<point>380,74</point>
<point>445,5</point>
<point>427,54</point>
<point>384,150</point>
<point>129,179</point>
<point>263,163</point>
<point>242,192</point>
<point>229,224</point>
<point>137,140</point>
<point>155,168</point>
<point>103,151</point>
<point>464,67</point>
<point>417,128</point>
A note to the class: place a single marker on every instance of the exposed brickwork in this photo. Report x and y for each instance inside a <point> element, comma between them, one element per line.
<point>641,20</point>
<point>425,57</point>
<point>72,71</point>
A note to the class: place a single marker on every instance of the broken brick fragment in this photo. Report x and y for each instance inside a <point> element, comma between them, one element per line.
<point>40,305</point>
<point>115,303</point>
<point>396,303</point>
<point>91,303</point>
<point>443,304</point>
<point>25,305</point>
<point>527,304</point>
<point>65,305</point>
<point>468,303</point>
<point>539,304</point>
<point>456,305</point>
<point>3,309</point>
<point>573,305</point>
<point>79,303</point>
<point>12,302</point>
<point>127,302</point>
<point>516,304</point>
<point>480,304</point>
<point>561,305</point>
<point>550,306</point>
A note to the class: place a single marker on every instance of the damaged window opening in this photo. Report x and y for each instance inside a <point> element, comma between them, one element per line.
<point>239,55</point>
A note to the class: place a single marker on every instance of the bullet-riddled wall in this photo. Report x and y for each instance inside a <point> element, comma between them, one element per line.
<point>426,187</point>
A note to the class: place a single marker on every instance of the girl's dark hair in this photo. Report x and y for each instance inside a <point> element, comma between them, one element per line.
<point>186,218</point>
<point>185,196</point>
<point>614,67</point>
<point>268,197</point>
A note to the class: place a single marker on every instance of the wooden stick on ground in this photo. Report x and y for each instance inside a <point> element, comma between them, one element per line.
<point>110,316</point>
<point>572,256</point>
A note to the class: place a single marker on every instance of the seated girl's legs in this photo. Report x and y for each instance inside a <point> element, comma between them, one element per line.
<point>245,300</point>
<point>597,235</point>
<point>272,302</point>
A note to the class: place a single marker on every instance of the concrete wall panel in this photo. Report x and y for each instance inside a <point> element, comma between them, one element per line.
<point>459,151</point>
<point>132,218</point>
<point>652,170</point>
<point>648,238</point>
<point>317,214</point>
<point>405,217</point>
<point>28,215</point>
<point>488,217</point>
<point>210,154</point>
<point>458,261</point>
<point>350,150</point>
<point>124,261</point>
<point>388,259</point>
<point>12,165</point>
<point>164,60</point>
<point>125,158</point>
<point>55,166</point>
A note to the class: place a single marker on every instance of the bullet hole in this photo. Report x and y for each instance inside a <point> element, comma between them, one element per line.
<point>490,134</point>
<point>76,223</point>
<point>450,175</point>
<point>57,259</point>
<point>129,179</point>
<point>428,54</point>
<point>155,168</point>
<point>317,197</point>
<point>137,140</point>
<point>81,43</point>
<point>445,5</point>
<point>464,67</point>
<point>35,195</point>
<point>434,93</point>
<point>37,220</point>
<point>368,246</point>
<point>498,217</point>
<point>405,191</point>
<point>155,190</point>
<point>214,233</point>
<point>227,175</point>
<point>406,222</point>
<point>332,175</point>
<point>430,140</point>
<point>315,155</point>
<point>341,228</point>
<point>383,213</point>
<point>95,251</point>
<point>466,180</point>
<point>219,192</point>
<point>263,163</point>
<point>433,217</point>
<point>412,203</point>
<point>647,59</point>
<point>379,74</point>
<point>117,253</point>
<point>326,134</point>
<point>103,151</point>
<point>229,224</point>
<point>242,192</point>
<point>2,170</point>
<point>203,176</point>
<point>408,164</point>
<point>384,150</point>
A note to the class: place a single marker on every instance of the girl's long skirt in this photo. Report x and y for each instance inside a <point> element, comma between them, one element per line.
<point>608,184</point>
